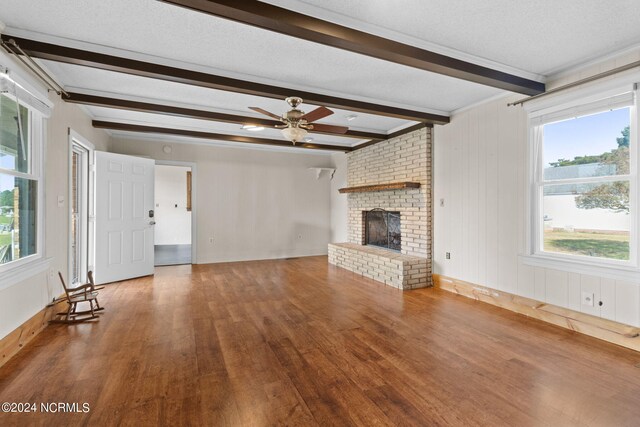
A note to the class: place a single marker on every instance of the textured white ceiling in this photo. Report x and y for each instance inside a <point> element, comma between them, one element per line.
<point>150,119</point>
<point>167,31</point>
<point>530,38</point>
<point>132,137</point>
<point>90,80</point>
<point>538,36</point>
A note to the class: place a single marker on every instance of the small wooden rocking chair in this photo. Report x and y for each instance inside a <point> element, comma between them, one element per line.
<point>83,293</point>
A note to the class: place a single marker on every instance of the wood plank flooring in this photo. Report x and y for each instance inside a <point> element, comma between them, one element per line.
<point>300,342</point>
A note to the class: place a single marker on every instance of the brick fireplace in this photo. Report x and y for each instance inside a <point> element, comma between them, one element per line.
<point>379,168</point>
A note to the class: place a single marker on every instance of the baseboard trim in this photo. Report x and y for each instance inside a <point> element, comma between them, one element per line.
<point>607,330</point>
<point>23,334</point>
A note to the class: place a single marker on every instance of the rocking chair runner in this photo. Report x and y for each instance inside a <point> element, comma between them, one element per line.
<point>84,293</point>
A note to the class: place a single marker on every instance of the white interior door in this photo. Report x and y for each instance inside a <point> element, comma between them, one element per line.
<point>123,217</point>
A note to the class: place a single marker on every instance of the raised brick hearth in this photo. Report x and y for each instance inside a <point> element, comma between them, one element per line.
<point>406,158</point>
<point>391,268</point>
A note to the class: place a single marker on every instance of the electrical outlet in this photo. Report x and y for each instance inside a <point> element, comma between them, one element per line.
<point>587,298</point>
<point>448,255</point>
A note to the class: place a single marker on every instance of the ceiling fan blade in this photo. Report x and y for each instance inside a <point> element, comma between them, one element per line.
<point>316,114</point>
<point>319,127</point>
<point>266,113</point>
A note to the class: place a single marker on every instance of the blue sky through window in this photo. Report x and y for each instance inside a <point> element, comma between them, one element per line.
<point>584,136</point>
<point>7,181</point>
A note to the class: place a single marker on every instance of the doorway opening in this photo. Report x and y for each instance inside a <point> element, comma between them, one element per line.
<point>173,214</point>
<point>80,208</point>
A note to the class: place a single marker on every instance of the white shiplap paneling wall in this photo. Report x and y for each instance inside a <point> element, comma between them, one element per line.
<point>480,172</point>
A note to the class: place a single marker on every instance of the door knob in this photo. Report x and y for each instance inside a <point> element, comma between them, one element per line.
<point>152,223</point>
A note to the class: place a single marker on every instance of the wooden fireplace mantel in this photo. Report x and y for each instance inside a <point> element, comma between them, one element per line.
<point>380,187</point>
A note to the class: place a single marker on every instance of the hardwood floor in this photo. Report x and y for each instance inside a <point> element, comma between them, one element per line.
<point>300,342</point>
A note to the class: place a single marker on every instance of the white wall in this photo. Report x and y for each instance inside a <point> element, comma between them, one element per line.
<point>21,301</point>
<point>255,204</point>
<point>173,220</point>
<point>480,172</point>
<point>339,202</point>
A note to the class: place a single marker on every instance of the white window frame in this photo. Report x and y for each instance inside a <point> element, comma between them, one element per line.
<point>23,268</point>
<point>598,97</point>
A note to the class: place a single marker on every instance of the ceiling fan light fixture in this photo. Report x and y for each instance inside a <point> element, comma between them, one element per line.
<point>295,124</point>
<point>294,134</point>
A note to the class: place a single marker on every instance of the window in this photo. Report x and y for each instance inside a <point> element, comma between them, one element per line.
<point>584,183</point>
<point>20,181</point>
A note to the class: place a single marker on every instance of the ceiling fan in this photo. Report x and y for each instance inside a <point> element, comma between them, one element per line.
<point>296,123</point>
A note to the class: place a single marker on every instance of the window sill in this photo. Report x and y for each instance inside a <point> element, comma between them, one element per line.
<point>610,271</point>
<point>23,272</point>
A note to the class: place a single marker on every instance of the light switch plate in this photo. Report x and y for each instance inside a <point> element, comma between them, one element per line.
<point>587,298</point>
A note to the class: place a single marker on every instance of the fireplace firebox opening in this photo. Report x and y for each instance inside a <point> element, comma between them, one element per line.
<point>382,229</point>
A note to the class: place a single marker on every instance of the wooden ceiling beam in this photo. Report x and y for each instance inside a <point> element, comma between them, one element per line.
<point>126,127</point>
<point>191,113</point>
<point>102,61</point>
<point>294,24</point>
